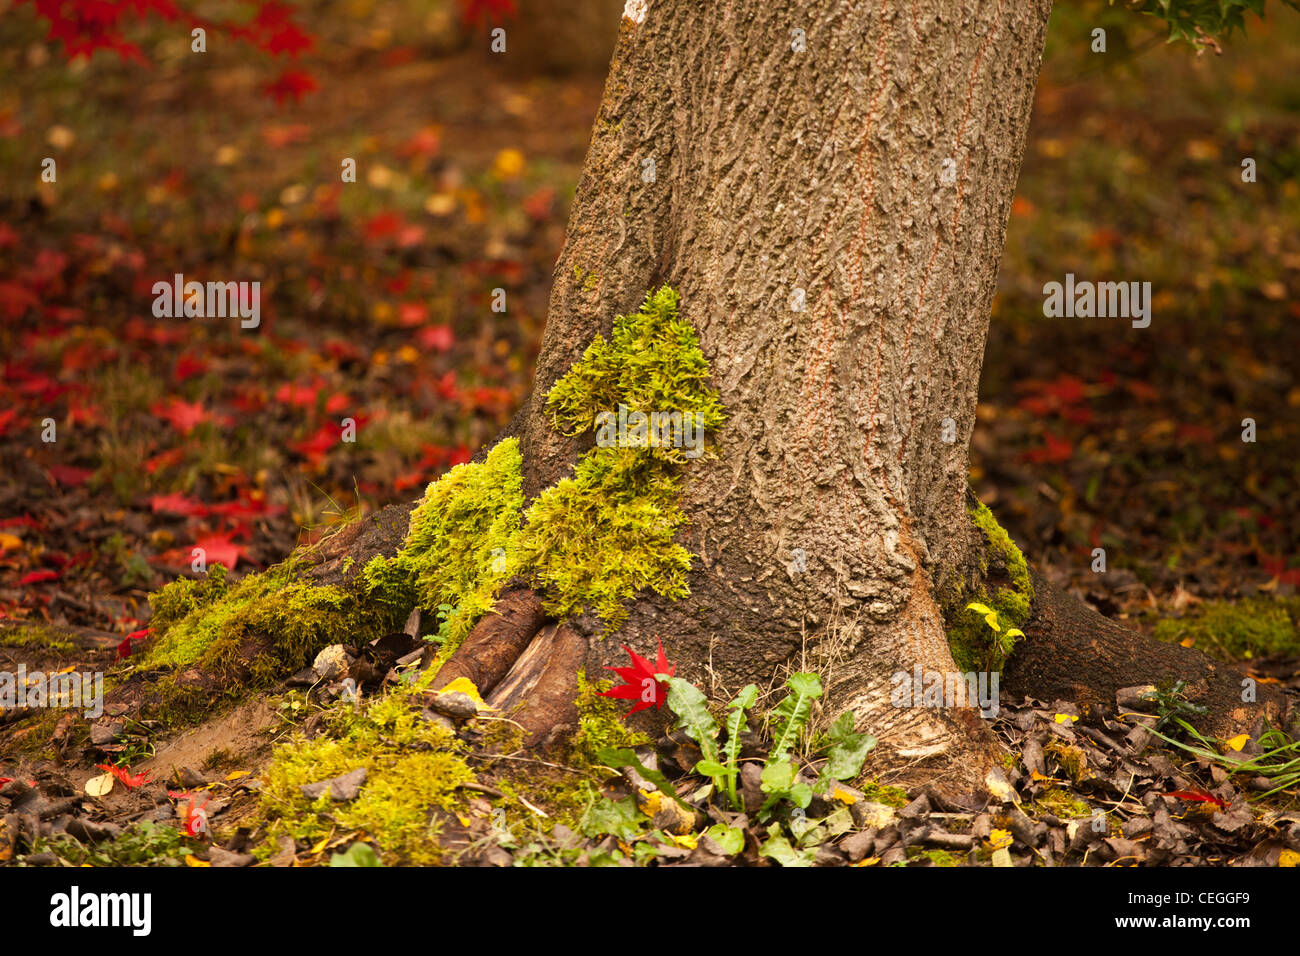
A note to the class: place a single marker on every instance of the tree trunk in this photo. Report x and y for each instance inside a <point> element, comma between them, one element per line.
<point>832,217</point>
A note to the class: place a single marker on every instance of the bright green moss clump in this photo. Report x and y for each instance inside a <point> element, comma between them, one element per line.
<point>461,545</point>
<point>413,772</point>
<point>969,637</point>
<point>211,624</point>
<point>589,542</point>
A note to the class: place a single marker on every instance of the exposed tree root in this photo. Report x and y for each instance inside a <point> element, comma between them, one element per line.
<point>1071,652</point>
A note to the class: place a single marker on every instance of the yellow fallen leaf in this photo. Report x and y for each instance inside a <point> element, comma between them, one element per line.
<point>464,820</point>
<point>869,861</point>
<point>843,796</point>
<point>1065,718</point>
<point>1288,858</point>
<point>1237,742</point>
<point>320,846</point>
<point>236,774</point>
<point>191,860</point>
<point>686,841</point>
<point>99,786</point>
<point>8,542</point>
<point>999,839</point>
<point>649,802</point>
<point>1187,642</point>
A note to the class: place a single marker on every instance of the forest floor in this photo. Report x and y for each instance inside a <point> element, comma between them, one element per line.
<point>172,435</point>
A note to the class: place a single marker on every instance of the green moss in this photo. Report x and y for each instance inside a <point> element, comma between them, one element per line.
<point>937,857</point>
<point>651,362</point>
<point>1004,585</point>
<point>299,617</point>
<point>1063,804</point>
<point>1241,630</point>
<point>413,770</point>
<point>600,723</point>
<point>461,545</point>
<point>880,793</point>
<point>589,542</point>
<point>35,635</point>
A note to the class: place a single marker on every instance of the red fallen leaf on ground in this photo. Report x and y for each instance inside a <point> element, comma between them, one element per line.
<point>187,366</point>
<point>36,577</point>
<point>437,338</point>
<point>7,418</point>
<point>383,225</point>
<point>291,85</point>
<point>183,416</point>
<point>278,136</point>
<point>177,504</point>
<point>22,521</point>
<point>7,236</point>
<point>473,12</point>
<point>538,205</point>
<point>16,299</point>
<point>1057,451</point>
<point>426,142</point>
<point>219,549</point>
<point>124,649</point>
<point>69,476</point>
<point>411,314</point>
<point>301,394</point>
<point>324,440</point>
<point>1199,795</point>
<point>639,683</point>
<point>164,460</point>
<point>129,779</point>
<point>194,818</point>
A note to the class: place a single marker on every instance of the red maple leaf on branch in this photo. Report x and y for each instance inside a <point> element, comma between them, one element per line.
<point>639,682</point>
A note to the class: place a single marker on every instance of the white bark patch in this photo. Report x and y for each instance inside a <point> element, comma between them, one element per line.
<point>634,10</point>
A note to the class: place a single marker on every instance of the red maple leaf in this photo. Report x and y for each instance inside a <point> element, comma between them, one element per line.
<point>125,775</point>
<point>639,683</point>
<point>1199,795</point>
<point>178,504</point>
<point>219,549</point>
<point>291,84</point>
<point>124,649</point>
<point>36,577</point>
<point>183,416</point>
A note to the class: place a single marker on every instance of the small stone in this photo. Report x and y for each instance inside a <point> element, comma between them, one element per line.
<point>219,857</point>
<point>187,778</point>
<point>331,662</point>
<point>341,788</point>
<point>456,705</point>
<point>105,731</point>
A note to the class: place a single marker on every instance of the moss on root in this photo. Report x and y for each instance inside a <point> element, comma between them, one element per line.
<point>35,636</point>
<point>1004,584</point>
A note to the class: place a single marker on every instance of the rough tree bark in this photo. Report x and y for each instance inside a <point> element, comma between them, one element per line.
<point>827,184</point>
<point>870,172</point>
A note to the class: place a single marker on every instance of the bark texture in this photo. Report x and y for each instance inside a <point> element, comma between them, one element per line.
<point>833,217</point>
